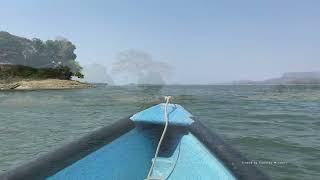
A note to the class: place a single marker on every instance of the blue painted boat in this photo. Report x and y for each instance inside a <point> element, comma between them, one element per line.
<point>126,151</point>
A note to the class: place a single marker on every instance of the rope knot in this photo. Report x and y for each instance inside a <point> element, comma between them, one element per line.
<point>168,99</point>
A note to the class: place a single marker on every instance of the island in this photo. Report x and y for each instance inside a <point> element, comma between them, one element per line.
<point>31,64</point>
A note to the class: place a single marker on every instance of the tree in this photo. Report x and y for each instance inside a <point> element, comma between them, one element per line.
<point>79,75</point>
<point>37,53</point>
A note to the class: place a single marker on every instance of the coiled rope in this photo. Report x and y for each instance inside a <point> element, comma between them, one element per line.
<point>166,118</point>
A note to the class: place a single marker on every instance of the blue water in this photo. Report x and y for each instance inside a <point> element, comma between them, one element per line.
<point>276,127</point>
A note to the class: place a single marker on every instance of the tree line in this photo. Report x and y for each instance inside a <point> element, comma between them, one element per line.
<point>35,53</point>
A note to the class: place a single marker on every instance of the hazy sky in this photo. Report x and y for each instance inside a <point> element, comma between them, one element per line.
<point>204,41</point>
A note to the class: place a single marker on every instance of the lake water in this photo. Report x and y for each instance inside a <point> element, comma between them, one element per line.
<point>276,127</point>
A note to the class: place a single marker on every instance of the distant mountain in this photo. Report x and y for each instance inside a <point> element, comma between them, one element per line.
<point>243,82</point>
<point>288,78</point>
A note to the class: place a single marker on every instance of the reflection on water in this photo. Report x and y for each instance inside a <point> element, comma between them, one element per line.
<point>267,123</point>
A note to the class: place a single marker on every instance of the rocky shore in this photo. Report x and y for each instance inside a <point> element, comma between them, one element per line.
<point>44,84</point>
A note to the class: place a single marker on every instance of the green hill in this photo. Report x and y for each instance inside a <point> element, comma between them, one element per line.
<point>36,57</point>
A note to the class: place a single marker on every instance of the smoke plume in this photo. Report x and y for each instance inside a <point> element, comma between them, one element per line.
<point>95,73</point>
<point>138,67</point>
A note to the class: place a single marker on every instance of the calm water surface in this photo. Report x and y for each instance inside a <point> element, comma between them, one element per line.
<point>275,126</point>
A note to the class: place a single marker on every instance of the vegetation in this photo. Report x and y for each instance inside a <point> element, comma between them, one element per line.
<point>38,59</point>
<point>26,72</point>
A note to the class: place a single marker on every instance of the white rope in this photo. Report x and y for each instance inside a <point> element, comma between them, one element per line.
<point>167,98</point>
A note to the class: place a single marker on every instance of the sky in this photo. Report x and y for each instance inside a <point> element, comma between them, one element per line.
<point>203,41</point>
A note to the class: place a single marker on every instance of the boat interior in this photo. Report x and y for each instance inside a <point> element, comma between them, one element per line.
<point>182,156</point>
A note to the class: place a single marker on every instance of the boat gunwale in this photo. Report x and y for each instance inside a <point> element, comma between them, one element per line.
<point>227,154</point>
<point>52,162</point>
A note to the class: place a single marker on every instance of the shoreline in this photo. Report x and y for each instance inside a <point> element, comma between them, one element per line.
<point>44,84</point>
